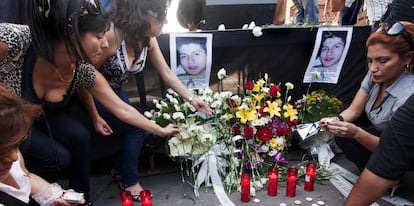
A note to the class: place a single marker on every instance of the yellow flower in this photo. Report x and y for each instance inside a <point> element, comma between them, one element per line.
<point>258,97</point>
<point>280,143</point>
<point>273,143</point>
<point>246,114</point>
<point>258,85</point>
<point>290,112</point>
<point>272,108</point>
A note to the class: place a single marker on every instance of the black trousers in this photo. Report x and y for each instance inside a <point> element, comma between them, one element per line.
<point>59,144</point>
<point>354,151</point>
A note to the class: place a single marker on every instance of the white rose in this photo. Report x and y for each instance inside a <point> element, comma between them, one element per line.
<point>221,27</point>
<point>148,114</point>
<point>257,31</point>
<point>221,73</point>
<point>166,116</point>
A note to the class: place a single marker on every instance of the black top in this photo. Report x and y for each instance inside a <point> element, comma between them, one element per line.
<point>395,152</point>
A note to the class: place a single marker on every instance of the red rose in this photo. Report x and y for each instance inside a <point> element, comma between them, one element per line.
<point>236,129</point>
<point>248,132</point>
<point>274,90</point>
<point>292,123</point>
<point>262,112</point>
<point>264,134</point>
<point>232,103</point>
<point>249,85</point>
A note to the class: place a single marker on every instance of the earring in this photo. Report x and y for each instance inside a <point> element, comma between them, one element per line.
<point>407,67</point>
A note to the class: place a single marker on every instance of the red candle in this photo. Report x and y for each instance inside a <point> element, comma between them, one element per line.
<point>245,187</point>
<point>146,199</point>
<point>310,176</point>
<point>291,182</point>
<point>273,178</point>
<point>126,198</point>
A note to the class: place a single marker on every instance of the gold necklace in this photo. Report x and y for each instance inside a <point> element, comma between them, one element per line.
<point>60,76</point>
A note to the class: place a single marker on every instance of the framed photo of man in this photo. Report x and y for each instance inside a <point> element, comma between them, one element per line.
<point>328,56</point>
<point>191,57</point>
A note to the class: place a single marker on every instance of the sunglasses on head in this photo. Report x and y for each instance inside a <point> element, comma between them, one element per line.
<point>397,28</point>
<point>158,15</point>
<point>90,7</point>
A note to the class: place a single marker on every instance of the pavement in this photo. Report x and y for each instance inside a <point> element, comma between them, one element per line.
<point>162,177</point>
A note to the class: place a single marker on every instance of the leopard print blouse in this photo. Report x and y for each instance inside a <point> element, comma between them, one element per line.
<point>18,39</point>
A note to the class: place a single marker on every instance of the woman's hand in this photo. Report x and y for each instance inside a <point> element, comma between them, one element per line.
<point>324,122</point>
<point>201,106</point>
<point>102,127</point>
<point>342,129</point>
<point>168,131</point>
<point>61,202</point>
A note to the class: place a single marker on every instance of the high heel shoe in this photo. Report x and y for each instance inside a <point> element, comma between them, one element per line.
<point>135,197</point>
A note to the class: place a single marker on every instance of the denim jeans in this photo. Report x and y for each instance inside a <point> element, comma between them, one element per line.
<point>349,15</point>
<point>128,160</point>
<point>307,11</point>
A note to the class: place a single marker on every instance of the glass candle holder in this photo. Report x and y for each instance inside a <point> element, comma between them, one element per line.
<point>310,176</point>
<point>245,187</point>
<point>146,199</point>
<point>126,198</point>
<point>292,178</point>
<point>272,183</point>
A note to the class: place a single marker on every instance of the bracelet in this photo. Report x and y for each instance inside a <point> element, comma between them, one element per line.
<point>340,118</point>
<point>190,99</point>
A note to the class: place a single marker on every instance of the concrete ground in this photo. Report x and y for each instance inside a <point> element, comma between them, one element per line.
<point>164,180</point>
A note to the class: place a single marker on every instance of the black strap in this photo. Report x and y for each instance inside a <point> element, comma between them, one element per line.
<point>9,200</point>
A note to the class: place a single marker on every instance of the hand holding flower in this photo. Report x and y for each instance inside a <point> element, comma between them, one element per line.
<point>201,106</point>
<point>168,131</point>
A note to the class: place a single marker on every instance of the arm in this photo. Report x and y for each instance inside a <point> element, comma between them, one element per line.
<point>125,112</point>
<point>368,189</point>
<point>101,126</point>
<point>41,187</point>
<point>349,129</point>
<point>157,59</point>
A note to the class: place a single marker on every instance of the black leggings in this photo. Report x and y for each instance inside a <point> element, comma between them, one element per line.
<point>59,142</point>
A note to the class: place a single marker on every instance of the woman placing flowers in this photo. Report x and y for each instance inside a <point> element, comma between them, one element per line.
<point>384,89</point>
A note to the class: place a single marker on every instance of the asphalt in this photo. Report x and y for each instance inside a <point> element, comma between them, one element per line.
<point>162,176</point>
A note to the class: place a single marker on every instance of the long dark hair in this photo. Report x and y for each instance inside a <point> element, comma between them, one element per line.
<point>129,16</point>
<point>55,20</point>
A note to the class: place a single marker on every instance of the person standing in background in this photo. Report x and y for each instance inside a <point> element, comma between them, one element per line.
<point>307,12</point>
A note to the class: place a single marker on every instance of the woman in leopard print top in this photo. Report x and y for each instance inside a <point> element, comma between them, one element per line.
<point>45,63</point>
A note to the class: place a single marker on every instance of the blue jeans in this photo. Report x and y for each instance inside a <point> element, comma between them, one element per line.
<point>349,15</point>
<point>307,11</point>
<point>134,138</point>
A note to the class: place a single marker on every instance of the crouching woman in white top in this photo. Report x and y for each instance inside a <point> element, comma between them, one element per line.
<point>17,185</point>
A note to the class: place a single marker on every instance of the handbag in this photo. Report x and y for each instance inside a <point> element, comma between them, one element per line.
<point>399,10</point>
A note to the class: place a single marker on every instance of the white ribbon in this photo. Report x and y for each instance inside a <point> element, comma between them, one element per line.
<point>210,168</point>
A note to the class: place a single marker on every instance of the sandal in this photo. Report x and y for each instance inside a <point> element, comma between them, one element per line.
<point>135,197</point>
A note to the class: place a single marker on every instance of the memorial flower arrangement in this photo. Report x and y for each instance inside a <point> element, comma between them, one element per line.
<point>316,105</point>
<point>247,133</point>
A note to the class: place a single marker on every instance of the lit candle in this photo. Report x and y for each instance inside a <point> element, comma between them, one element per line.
<point>273,178</point>
<point>126,198</point>
<point>310,176</point>
<point>291,182</point>
<point>245,187</point>
<point>146,199</point>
